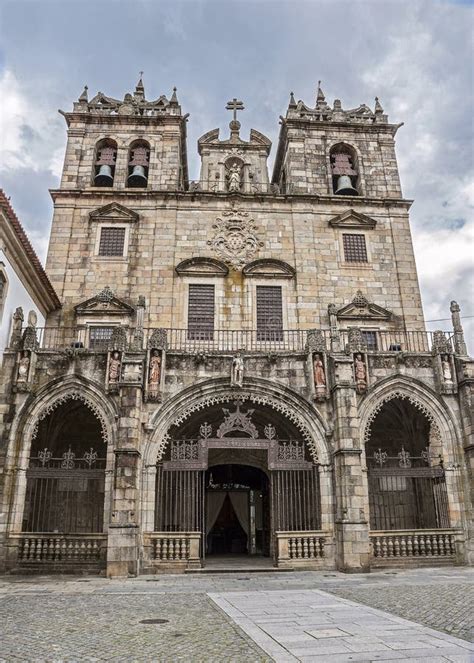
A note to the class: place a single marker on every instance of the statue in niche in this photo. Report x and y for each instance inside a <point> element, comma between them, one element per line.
<point>446,368</point>
<point>23,367</point>
<point>319,375</point>
<point>234,178</point>
<point>360,373</point>
<point>154,373</point>
<point>114,367</point>
<point>237,373</point>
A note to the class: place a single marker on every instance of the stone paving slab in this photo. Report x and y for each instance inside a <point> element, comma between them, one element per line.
<point>334,629</point>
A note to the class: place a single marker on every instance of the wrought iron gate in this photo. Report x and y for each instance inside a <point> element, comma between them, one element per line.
<point>295,500</point>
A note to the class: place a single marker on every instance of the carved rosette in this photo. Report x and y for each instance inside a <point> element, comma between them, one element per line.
<point>235,238</point>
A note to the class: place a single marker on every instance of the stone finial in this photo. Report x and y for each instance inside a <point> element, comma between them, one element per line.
<point>83,99</point>
<point>174,97</point>
<point>337,106</point>
<point>292,103</point>
<point>140,88</point>
<point>29,340</point>
<point>360,300</point>
<point>441,344</point>
<point>158,339</point>
<point>106,295</point>
<point>315,341</point>
<point>459,343</point>
<point>320,98</point>
<point>378,107</point>
<point>17,324</point>
<point>118,340</point>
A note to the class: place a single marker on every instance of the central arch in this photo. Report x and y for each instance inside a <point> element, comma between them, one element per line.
<point>262,434</point>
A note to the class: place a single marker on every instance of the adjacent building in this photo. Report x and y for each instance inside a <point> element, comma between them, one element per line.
<point>239,365</point>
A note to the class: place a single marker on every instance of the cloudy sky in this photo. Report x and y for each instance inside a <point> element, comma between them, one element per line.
<point>416,56</point>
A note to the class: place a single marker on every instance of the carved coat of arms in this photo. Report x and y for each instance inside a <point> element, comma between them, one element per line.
<point>235,239</point>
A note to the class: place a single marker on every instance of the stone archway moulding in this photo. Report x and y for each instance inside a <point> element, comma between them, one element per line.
<point>74,396</point>
<point>310,427</point>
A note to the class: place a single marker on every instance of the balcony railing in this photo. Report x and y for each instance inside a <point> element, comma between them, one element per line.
<point>247,340</point>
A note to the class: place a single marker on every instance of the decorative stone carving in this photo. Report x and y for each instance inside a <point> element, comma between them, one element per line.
<point>383,362</point>
<point>30,340</point>
<point>360,373</point>
<point>23,367</point>
<point>334,328</point>
<point>415,361</point>
<point>118,339</point>
<point>32,319</point>
<point>441,344</point>
<point>355,341</point>
<point>237,372</point>
<point>234,178</point>
<point>154,375</point>
<point>446,369</point>
<point>319,377</point>
<point>158,340</point>
<point>315,341</point>
<point>235,240</point>
<point>16,327</point>
<point>115,362</point>
<point>240,422</point>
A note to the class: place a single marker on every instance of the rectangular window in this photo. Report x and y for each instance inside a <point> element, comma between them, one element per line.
<point>99,337</point>
<point>201,310</point>
<point>112,241</point>
<point>370,338</point>
<point>355,249</point>
<point>269,313</point>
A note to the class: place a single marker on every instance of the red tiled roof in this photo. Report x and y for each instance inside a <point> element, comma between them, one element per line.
<point>29,251</point>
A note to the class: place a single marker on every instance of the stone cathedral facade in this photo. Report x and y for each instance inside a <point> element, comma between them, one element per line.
<point>239,365</point>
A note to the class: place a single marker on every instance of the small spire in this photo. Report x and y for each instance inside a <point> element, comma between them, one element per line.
<point>174,97</point>
<point>320,98</point>
<point>140,88</point>
<point>292,103</point>
<point>84,97</point>
<point>378,107</point>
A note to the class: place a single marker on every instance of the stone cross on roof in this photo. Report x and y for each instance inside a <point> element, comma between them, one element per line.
<point>235,105</point>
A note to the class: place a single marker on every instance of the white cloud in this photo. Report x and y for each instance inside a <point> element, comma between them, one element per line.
<point>28,137</point>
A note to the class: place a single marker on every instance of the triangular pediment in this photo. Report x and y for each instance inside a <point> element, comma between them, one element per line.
<point>352,219</point>
<point>105,302</point>
<point>114,212</point>
<point>202,267</point>
<point>361,309</point>
<point>270,268</point>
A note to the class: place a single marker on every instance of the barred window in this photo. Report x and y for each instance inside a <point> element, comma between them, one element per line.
<point>99,337</point>
<point>355,249</point>
<point>370,338</point>
<point>201,308</point>
<point>269,313</point>
<point>112,241</point>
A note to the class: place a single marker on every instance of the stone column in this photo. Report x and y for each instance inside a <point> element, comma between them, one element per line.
<point>122,547</point>
<point>459,342</point>
<point>351,525</point>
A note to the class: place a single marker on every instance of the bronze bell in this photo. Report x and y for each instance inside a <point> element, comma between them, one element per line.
<point>344,186</point>
<point>104,177</point>
<point>137,177</point>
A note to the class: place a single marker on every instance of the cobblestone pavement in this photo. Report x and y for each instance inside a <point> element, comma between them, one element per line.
<point>93,619</point>
<point>106,627</point>
<point>444,607</point>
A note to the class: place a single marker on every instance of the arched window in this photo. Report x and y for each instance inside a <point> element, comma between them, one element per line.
<point>138,164</point>
<point>104,166</point>
<point>407,488</point>
<point>344,170</point>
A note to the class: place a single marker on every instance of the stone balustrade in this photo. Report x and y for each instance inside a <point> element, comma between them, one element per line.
<point>59,549</point>
<point>311,549</point>
<point>172,549</point>
<point>404,545</point>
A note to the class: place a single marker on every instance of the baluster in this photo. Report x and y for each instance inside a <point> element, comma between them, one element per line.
<point>442,550</point>
<point>396,547</point>
<point>403,546</point>
<point>422,545</point>
<point>434,544</point>
<point>416,550</point>
<point>50,549</point>
<point>24,549</point>
<point>322,543</point>
<point>452,545</point>
<point>38,549</point>
<point>305,548</point>
<point>409,541</point>
<point>315,547</point>
<point>428,544</point>
<point>83,550</point>
<point>298,548</point>
<point>89,550</point>
<point>376,546</point>
<point>384,546</point>
<point>390,546</point>
<point>291,547</point>
<point>70,550</point>
<point>57,549</point>
<point>63,549</point>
